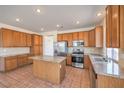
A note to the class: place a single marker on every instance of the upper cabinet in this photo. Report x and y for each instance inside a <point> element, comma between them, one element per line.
<point>36,40</point>
<point>12,38</point>
<point>81,35</point>
<point>29,40</point>
<point>122,26</point>
<point>6,38</point>
<point>75,36</point>
<point>112,26</point>
<point>59,37</point>
<point>99,36</point>
<point>86,38</point>
<point>92,38</point>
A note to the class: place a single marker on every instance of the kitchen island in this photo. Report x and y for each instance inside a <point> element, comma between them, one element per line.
<point>50,68</point>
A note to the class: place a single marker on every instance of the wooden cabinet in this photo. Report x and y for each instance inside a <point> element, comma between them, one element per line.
<point>10,63</point>
<point>92,38</point>
<point>70,39</point>
<point>112,26</point>
<point>86,39</point>
<point>99,36</point>
<point>6,38</point>
<point>122,26</point>
<point>69,60</point>
<point>59,37</point>
<point>37,40</point>
<point>28,40</point>
<point>65,37</point>
<point>108,26</point>
<point>75,35</point>
<point>115,27</point>
<point>22,60</point>
<point>36,50</point>
<point>81,36</point>
<point>86,62</point>
<point>22,39</point>
<point>16,39</point>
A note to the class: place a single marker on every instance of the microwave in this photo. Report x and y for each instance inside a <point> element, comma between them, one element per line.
<point>78,43</point>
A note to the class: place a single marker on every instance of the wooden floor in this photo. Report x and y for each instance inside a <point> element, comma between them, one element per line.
<point>23,78</point>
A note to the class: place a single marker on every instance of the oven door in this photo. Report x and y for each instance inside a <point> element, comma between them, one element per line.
<point>77,59</point>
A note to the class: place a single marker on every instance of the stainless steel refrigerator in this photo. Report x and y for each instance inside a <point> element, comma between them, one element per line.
<point>60,48</point>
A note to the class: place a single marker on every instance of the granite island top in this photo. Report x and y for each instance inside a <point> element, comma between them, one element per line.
<point>109,68</point>
<point>53,59</point>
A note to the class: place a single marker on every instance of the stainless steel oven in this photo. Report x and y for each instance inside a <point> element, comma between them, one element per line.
<point>77,60</point>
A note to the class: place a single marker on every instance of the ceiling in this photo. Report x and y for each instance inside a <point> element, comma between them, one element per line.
<point>50,16</point>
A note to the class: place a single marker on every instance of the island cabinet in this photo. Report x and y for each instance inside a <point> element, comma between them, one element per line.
<point>47,69</point>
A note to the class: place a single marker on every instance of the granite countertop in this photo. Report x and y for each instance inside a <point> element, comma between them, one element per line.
<point>53,59</point>
<point>109,68</point>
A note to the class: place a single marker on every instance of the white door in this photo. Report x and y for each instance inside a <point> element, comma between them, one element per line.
<point>48,45</point>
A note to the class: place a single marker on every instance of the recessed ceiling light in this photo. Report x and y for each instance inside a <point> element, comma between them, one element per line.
<point>38,10</point>
<point>99,14</point>
<point>57,25</point>
<point>77,22</point>
<point>17,19</point>
<point>42,29</point>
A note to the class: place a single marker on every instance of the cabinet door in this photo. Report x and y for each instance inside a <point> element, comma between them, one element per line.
<point>108,26</point>
<point>122,26</point>
<point>69,60</point>
<point>75,36</point>
<point>28,40</point>
<point>86,62</point>
<point>81,36</point>
<point>23,39</point>
<point>16,39</point>
<point>86,39</point>
<point>10,63</point>
<point>115,27</point>
<point>99,36</point>
<point>6,38</point>
<point>92,38</point>
<point>36,50</point>
<point>65,37</point>
<point>70,40</point>
<point>59,37</point>
<point>22,60</point>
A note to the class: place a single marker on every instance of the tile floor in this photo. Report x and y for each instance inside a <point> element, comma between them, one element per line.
<point>23,78</point>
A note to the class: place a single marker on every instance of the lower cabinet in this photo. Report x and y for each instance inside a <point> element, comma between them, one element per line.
<point>13,62</point>
<point>22,60</point>
<point>69,60</point>
<point>92,74</point>
<point>10,63</point>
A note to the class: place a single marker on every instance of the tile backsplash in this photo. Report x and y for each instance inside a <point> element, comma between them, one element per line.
<point>14,51</point>
<point>90,50</point>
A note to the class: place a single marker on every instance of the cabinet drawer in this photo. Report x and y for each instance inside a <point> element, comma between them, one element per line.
<point>22,60</point>
<point>10,63</point>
